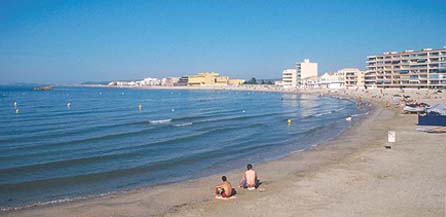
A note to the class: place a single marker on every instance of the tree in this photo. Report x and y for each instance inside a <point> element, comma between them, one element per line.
<point>251,81</point>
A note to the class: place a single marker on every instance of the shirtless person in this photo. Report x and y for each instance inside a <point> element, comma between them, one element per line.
<point>224,189</point>
<point>249,180</point>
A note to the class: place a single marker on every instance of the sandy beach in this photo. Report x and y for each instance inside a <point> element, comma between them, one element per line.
<point>351,175</point>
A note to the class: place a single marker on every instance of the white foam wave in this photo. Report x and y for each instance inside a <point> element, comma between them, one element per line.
<point>360,114</point>
<point>52,202</point>
<point>323,113</point>
<point>162,121</point>
<point>183,124</point>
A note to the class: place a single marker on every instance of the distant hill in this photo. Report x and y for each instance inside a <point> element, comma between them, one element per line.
<point>95,82</point>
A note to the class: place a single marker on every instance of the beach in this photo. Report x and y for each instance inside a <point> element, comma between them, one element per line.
<point>350,175</point>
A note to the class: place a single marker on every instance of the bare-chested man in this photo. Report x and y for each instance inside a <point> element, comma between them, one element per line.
<point>224,189</point>
<point>249,180</point>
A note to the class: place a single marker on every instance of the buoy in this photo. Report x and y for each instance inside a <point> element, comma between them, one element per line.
<point>172,110</point>
<point>289,121</point>
<point>15,104</point>
<point>140,107</point>
<point>243,111</point>
<point>17,111</point>
<point>349,118</point>
<point>69,105</point>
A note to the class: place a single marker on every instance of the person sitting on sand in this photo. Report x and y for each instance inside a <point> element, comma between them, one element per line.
<point>224,189</point>
<point>249,180</point>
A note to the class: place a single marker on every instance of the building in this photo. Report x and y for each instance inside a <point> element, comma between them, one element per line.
<point>142,83</point>
<point>361,79</point>
<point>310,82</point>
<point>149,82</point>
<point>211,79</point>
<point>425,68</point>
<point>332,80</point>
<point>222,80</point>
<point>202,79</point>
<point>169,81</point>
<point>182,81</point>
<point>352,77</point>
<point>306,69</point>
<point>289,78</point>
<point>236,82</point>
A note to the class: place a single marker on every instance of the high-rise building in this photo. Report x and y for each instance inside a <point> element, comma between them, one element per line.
<point>306,69</point>
<point>289,78</point>
<point>425,68</point>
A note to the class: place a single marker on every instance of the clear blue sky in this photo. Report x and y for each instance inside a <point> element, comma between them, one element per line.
<point>73,41</point>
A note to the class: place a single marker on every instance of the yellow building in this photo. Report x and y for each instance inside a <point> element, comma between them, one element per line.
<point>222,80</point>
<point>236,81</point>
<point>202,79</point>
<point>211,79</point>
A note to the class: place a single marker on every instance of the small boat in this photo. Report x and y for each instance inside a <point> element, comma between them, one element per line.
<point>415,108</point>
<point>49,87</point>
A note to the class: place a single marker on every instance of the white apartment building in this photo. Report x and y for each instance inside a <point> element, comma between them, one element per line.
<point>169,81</point>
<point>425,68</point>
<point>149,82</point>
<point>310,82</point>
<point>289,78</point>
<point>331,80</point>
<point>306,69</point>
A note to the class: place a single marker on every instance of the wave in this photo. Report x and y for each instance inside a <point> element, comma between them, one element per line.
<point>155,122</point>
<point>205,115</point>
<point>360,114</point>
<point>59,132</point>
<point>327,112</point>
<point>183,124</point>
<point>52,202</point>
<point>88,140</point>
<point>117,152</point>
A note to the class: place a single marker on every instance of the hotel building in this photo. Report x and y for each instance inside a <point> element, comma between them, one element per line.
<point>297,77</point>
<point>289,78</point>
<point>425,68</point>
<point>306,69</point>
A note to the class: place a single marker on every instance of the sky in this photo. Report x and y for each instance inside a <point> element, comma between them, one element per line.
<point>64,42</point>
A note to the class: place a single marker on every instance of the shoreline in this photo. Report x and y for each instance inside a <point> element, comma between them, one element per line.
<point>117,193</point>
<point>164,199</point>
<point>163,186</point>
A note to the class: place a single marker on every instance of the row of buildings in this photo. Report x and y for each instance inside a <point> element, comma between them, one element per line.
<point>200,79</point>
<point>306,76</point>
<point>425,68</point>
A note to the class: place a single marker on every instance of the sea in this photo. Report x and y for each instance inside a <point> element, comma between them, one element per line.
<point>75,142</point>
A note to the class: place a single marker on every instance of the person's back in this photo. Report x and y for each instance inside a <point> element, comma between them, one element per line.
<point>224,189</point>
<point>227,189</point>
<point>251,178</point>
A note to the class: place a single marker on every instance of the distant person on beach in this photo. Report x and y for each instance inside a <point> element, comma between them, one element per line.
<point>249,179</point>
<point>224,189</point>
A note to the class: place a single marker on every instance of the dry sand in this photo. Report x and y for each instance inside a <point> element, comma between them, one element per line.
<point>351,175</point>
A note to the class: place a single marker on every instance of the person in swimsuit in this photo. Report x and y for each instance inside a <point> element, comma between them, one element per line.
<point>249,180</point>
<point>224,189</point>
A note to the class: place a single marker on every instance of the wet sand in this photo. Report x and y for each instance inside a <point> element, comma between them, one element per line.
<point>351,175</point>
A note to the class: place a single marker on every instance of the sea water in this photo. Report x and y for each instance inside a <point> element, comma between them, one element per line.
<point>72,142</point>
